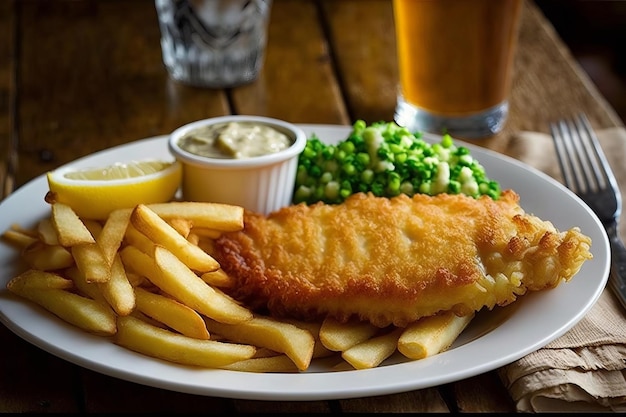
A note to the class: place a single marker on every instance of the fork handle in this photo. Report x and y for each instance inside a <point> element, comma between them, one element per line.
<point>617,280</point>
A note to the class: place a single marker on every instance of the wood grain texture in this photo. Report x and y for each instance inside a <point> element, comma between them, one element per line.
<point>106,395</point>
<point>292,407</point>
<point>34,381</point>
<point>482,393</point>
<point>427,400</point>
<point>92,77</point>
<point>297,82</point>
<point>8,151</point>
<point>362,40</point>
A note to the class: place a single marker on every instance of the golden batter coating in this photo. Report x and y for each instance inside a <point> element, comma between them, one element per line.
<point>392,261</point>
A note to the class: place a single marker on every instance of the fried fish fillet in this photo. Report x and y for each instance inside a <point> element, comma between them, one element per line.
<point>392,261</point>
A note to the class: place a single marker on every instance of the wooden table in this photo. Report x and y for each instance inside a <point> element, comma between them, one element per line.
<point>80,76</point>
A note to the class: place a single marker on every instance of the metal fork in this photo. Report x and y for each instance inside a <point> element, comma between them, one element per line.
<point>587,173</point>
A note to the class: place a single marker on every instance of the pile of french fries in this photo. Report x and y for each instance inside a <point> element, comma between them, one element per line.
<point>145,278</point>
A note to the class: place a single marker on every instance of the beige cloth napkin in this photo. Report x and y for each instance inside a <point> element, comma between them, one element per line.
<point>585,369</point>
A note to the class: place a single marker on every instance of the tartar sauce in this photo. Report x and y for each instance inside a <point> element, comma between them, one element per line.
<point>234,140</point>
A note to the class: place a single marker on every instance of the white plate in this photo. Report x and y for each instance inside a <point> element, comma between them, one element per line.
<point>495,338</point>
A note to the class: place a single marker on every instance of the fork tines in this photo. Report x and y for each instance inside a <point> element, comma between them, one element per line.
<point>582,171</point>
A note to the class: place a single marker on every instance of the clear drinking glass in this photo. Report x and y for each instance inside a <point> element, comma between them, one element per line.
<point>213,43</point>
<point>455,60</point>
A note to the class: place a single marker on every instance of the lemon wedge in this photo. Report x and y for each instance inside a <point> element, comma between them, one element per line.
<point>95,192</point>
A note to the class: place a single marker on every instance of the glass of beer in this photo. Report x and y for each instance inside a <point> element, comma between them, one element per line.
<point>455,62</point>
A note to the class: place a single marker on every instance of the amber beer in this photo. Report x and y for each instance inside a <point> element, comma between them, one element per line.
<point>455,62</point>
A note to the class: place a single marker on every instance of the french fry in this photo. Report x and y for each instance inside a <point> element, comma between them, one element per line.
<point>218,279</point>
<point>136,261</point>
<point>206,232</point>
<point>136,280</point>
<point>145,318</point>
<point>94,227</point>
<point>261,352</point>
<point>82,312</point>
<point>46,232</point>
<point>280,363</point>
<point>431,335</point>
<point>113,232</point>
<point>91,262</point>
<point>181,225</point>
<point>18,238</point>
<point>182,283</point>
<point>69,227</point>
<point>87,289</point>
<point>314,327</point>
<point>117,290</point>
<point>153,341</point>
<point>47,257</point>
<point>26,231</point>
<point>372,352</point>
<point>171,313</point>
<point>172,276</point>
<point>137,239</point>
<point>207,245</point>
<point>339,337</point>
<point>270,333</point>
<point>157,229</point>
<point>193,238</point>
<point>223,217</point>
<point>34,279</point>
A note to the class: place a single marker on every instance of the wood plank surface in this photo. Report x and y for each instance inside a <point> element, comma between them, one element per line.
<point>362,41</point>
<point>427,400</point>
<point>8,53</point>
<point>297,82</point>
<point>106,395</point>
<point>92,82</point>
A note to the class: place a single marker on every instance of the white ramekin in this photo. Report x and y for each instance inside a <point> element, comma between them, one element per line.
<point>262,184</point>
